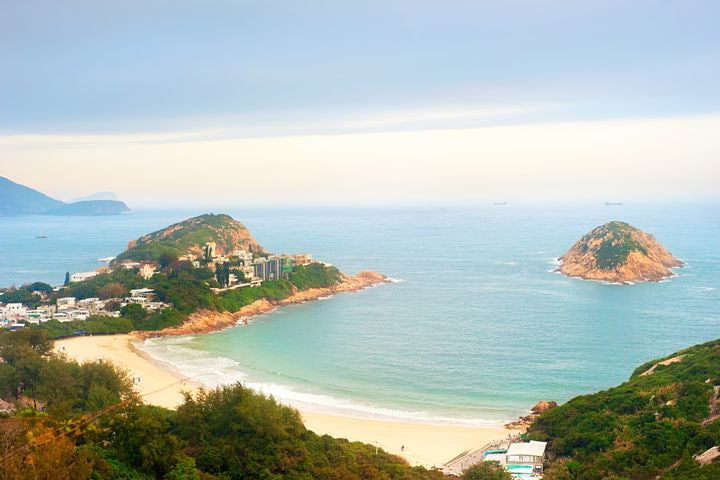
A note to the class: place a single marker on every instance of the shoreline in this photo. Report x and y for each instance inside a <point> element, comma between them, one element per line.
<point>559,262</point>
<point>425,444</point>
<point>207,321</point>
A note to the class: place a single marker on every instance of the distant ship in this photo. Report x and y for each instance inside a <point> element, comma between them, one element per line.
<point>106,259</point>
<point>613,203</point>
<point>41,236</point>
<point>500,203</point>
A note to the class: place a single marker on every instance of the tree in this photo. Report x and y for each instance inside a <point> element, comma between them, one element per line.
<point>46,456</point>
<point>67,279</point>
<point>139,436</point>
<point>40,287</point>
<point>134,312</point>
<point>562,469</point>
<point>240,275</point>
<point>222,274</point>
<point>184,470</point>
<point>487,471</point>
<point>167,259</point>
<point>112,290</point>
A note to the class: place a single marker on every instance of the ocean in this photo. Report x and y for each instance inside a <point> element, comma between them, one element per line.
<point>475,328</point>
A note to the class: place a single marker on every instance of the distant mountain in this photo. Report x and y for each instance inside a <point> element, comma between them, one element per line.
<point>190,236</point>
<point>618,252</point>
<point>96,196</point>
<point>91,208</point>
<point>16,199</point>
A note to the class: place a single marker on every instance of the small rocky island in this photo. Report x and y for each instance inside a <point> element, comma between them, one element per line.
<point>618,252</point>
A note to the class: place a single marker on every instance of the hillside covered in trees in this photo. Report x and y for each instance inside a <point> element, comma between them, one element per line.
<point>651,427</point>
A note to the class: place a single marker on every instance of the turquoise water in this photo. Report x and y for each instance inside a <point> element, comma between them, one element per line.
<point>477,327</point>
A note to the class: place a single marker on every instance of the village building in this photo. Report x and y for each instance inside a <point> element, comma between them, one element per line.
<point>82,276</point>
<point>66,303</point>
<point>303,259</point>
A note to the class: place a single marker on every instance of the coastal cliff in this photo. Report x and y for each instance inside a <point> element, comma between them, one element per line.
<point>618,252</point>
<point>205,321</point>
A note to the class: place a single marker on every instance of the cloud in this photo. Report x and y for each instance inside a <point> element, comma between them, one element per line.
<point>665,157</point>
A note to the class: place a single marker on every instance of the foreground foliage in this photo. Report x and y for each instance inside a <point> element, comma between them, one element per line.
<point>80,422</point>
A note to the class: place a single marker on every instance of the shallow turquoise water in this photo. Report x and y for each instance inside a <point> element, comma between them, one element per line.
<point>478,328</point>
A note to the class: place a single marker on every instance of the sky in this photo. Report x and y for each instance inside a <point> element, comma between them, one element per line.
<point>374,102</point>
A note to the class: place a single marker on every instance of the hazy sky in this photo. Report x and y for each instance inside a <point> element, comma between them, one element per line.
<point>209,102</point>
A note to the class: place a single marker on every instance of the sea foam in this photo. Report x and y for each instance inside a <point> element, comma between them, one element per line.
<point>214,371</point>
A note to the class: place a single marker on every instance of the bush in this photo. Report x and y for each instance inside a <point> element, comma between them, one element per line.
<point>487,471</point>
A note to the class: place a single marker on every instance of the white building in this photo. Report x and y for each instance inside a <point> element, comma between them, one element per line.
<point>526,458</point>
<point>62,317</point>
<point>13,312</point>
<point>130,265</point>
<point>142,292</point>
<point>82,276</point>
<point>242,255</point>
<point>65,303</point>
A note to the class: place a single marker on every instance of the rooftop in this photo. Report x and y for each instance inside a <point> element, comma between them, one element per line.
<point>536,449</point>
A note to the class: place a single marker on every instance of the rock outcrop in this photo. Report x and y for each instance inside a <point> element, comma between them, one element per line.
<point>620,253</point>
<point>525,421</point>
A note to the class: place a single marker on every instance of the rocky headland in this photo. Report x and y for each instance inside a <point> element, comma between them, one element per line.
<point>620,253</point>
<point>205,321</point>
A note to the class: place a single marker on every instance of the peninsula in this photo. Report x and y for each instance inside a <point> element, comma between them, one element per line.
<point>203,274</point>
<point>620,253</point>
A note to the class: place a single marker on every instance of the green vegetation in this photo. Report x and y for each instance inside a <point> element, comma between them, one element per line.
<point>186,288</point>
<point>649,427</point>
<point>487,471</point>
<point>181,238</point>
<point>315,275</point>
<point>95,427</point>
<point>617,243</point>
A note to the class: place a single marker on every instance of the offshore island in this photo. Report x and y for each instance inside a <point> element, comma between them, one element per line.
<point>617,252</point>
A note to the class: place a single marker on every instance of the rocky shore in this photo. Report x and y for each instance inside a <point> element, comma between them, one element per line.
<point>205,321</point>
<point>524,422</point>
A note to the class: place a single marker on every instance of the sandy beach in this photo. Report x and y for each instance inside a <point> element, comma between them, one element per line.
<point>424,444</point>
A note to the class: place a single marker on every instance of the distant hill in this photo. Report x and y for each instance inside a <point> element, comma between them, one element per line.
<point>618,252</point>
<point>663,423</point>
<point>91,208</point>
<point>190,236</point>
<point>96,196</point>
<point>16,199</point>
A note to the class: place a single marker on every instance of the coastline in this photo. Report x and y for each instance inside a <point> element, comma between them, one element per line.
<point>419,443</point>
<point>206,321</point>
<point>612,280</point>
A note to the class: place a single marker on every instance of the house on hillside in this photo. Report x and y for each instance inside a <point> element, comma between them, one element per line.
<point>82,276</point>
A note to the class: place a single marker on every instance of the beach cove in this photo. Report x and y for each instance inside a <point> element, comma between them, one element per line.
<point>162,385</point>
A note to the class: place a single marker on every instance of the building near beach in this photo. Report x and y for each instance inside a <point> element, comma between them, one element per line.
<point>525,459</point>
